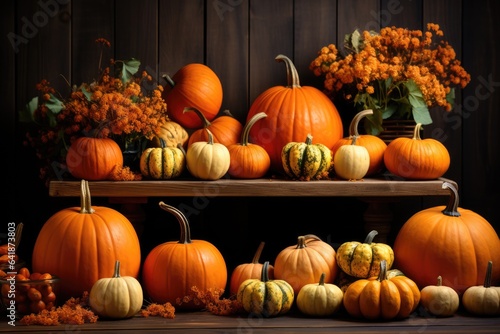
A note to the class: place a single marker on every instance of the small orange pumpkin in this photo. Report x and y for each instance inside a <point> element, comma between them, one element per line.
<point>93,158</point>
<point>416,158</point>
<point>173,268</point>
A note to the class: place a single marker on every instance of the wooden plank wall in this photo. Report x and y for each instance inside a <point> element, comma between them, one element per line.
<point>54,39</point>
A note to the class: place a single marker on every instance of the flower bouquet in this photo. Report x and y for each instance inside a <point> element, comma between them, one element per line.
<point>398,73</point>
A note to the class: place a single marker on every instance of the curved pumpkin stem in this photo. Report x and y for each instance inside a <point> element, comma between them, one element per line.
<point>369,238</point>
<point>353,127</point>
<point>291,72</point>
<point>169,80</point>
<point>487,278</point>
<point>185,237</point>
<point>416,131</point>
<point>116,273</point>
<point>248,126</point>
<point>256,256</point>
<point>314,237</point>
<point>210,137</point>
<point>452,207</point>
<point>264,277</point>
<point>204,120</point>
<point>86,207</point>
<point>383,271</point>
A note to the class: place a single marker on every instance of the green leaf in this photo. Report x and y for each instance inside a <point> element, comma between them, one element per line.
<point>55,106</point>
<point>450,97</point>
<point>130,67</point>
<point>88,95</point>
<point>419,107</point>
<point>27,114</point>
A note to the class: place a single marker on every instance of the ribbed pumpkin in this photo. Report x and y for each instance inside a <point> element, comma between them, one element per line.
<point>293,112</point>
<point>171,134</point>
<point>265,297</point>
<point>245,271</point>
<point>208,160</point>
<point>162,163</point>
<point>303,263</point>
<point>171,269</point>
<point>373,144</point>
<point>194,85</point>
<point>247,160</point>
<point>416,158</point>
<point>483,300</point>
<point>225,128</point>
<point>439,300</point>
<point>351,161</point>
<point>382,298</point>
<point>93,158</point>
<point>362,260</point>
<point>306,161</point>
<point>453,242</point>
<point>319,299</point>
<point>81,245</point>
<point>116,297</point>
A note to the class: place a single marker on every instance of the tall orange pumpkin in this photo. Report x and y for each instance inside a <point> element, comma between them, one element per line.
<point>303,263</point>
<point>373,144</point>
<point>173,268</point>
<point>92,158</point>
<point>82,244</point>
<point>447,241</point>
<point>197,86</point>
<point>293,112</point>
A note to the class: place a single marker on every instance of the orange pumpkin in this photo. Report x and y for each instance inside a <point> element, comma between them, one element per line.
<point>81,245</point>
<point>173,268</point>
<point>248,161</point>
<point>416,158</point>
<point>373,144</point>
<point>93,158</point>
<point>381,297</point>
<point>449,241</point>
<point>197,86</point>
<point>245,271</point>
<point>303,263</point>
<point>293,112</point>
<point>225,129</point>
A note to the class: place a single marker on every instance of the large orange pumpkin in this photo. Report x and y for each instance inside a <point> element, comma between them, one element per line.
<point>416,158</point>
<point>293,112</point>
<point>447,241</point>
<point>82,244</point>
<point>92,158</point>
<point>373,144</point>
<point>173,268</point>
<point>196,86</point>
<point>303,263</point>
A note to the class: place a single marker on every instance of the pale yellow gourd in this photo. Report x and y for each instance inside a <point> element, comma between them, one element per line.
<point>208,160</point>
<point>319,299</point>
<point>439,300</point>
<point>116,297</point>
<point>483,299</point>
<point>351,162</point>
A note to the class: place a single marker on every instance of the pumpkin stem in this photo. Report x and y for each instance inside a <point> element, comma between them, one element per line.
<point>86,207</point>
<point>452,207</point>
<point>169,80</point>
<point>210,137</point>
<point>185,237</point>
<point>369,238</point>
<point>309,139</point>
<point>301,242</point>
<point>416,131</point>
<point>291,72</point>
<point>353,127</point>
<point>256,257</point>
<point>383,271</point>
<point>117,269</point>
<point>265,272</point>
<point>248,126</point>
<point>322,279</point>
<point>487,278</point>
<point>204,120</point>
<point>440,281</point>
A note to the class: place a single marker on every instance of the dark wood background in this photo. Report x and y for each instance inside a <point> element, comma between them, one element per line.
<point>239,41</point>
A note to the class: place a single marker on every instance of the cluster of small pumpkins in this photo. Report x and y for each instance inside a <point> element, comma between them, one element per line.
<point>96,249</point>
<point>293,130</point>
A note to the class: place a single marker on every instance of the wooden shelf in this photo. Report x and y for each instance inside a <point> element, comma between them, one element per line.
<point>386,186</point>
